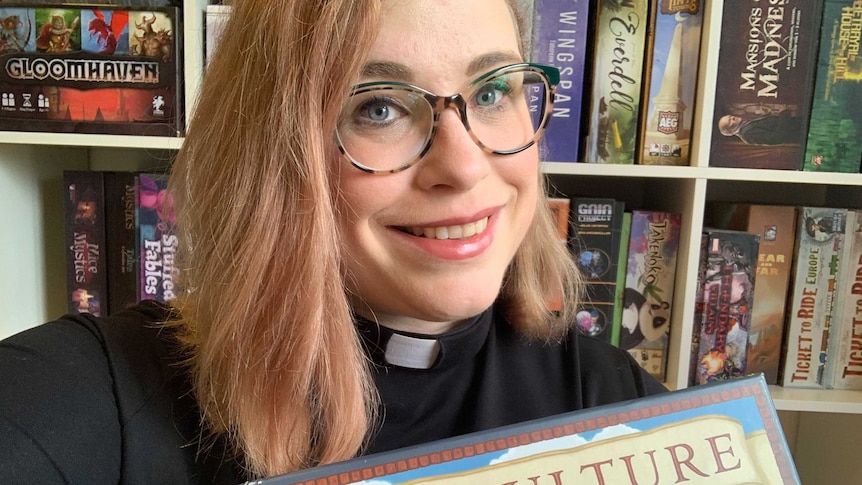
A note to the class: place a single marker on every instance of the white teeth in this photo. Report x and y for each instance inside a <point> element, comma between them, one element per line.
<point>468,229</point>
<point>451,232</point>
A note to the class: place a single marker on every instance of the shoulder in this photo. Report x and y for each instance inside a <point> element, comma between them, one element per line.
<point>85,345</point>
<point>106,385</point>
<point>609,373</point>
<point>601,372</point>
<point>99,351</point>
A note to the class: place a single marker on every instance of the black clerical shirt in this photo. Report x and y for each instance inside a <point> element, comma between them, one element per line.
<point>90,400</point>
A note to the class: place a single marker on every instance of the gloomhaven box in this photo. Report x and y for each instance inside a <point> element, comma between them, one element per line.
<point>103,69</point>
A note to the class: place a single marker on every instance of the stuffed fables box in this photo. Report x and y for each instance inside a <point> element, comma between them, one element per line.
<point>91,69</point>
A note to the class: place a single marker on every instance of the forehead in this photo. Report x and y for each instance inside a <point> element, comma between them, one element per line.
<point>441,38</point>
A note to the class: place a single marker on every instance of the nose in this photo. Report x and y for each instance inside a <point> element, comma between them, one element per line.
<point>454,160</point>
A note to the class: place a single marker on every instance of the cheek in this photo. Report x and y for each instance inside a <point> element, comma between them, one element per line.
<point>523,174</point>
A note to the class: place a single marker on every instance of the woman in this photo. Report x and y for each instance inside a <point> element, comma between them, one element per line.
<point>359,274</point>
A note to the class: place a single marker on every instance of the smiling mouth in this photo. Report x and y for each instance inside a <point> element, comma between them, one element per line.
<point>462,231</point>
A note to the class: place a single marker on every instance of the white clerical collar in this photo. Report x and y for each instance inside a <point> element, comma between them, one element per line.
<point>412,352</point>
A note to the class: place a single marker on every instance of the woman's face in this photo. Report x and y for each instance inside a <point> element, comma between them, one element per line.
<point>426,283</point>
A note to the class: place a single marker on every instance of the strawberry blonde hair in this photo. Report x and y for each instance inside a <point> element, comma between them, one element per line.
<point>275,362</point>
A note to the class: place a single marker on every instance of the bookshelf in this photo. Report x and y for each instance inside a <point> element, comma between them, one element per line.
<point>31,169</point>
<point>821,426</point>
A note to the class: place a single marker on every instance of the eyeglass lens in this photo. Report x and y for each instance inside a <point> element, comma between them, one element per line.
<point>387,127</point>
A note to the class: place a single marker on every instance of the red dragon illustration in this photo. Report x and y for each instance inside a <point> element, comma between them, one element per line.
<point>106,35</point>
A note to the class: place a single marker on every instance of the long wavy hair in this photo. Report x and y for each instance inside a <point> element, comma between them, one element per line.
<point>274,358</point>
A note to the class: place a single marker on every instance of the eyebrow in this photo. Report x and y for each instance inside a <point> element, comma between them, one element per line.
<point>387,70</point>
<point>488,61</point>
<point>400,72</point>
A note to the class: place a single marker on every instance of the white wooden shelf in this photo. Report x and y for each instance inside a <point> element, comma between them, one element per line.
<point>705,173</point>
<point>85,140</point>
<point>817,400</point>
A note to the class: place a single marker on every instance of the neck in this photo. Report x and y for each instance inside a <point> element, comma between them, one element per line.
<point>401,323</point>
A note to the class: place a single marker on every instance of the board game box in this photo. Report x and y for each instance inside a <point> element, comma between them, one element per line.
<point>844,352</point>
<point>670,79</point>
<point>595,242</point>
<point>91,69</point>
<point>155,222</point>
<point>560,40</point>
<point>649,288</point>
<point>728,296</point>
<point>560,208</point>
<point>622,261</point>
<point>720,433</point>
<point>820,235</point>
<point>86,273</point>
<point>699,308</point>
<point>764,84</point>
<point>619,42</point>
<point>215,20</point>
<point>835,132</point>
<point>122,245</point>
<point>776,226</point>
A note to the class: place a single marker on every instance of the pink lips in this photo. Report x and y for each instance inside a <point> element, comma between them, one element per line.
<point>457,249</point>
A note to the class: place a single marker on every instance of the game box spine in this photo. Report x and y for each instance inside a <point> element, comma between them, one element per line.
<point>819,238</point>
<point>594,242</point>
<point>86,274</point>
<point>622,259</point>
<point>560,210</point>
<point>728,297</point>
<point>122,247</point>
<point>764,83</point>
<point>560,40</point>
<point>215,19</point>
<point>834,141</point>
<point>844,352</point>
<point>156,235</point>
<point>699,308</point>
<point>670,79</point>
<point>616,80</point>
<point>649,288</point>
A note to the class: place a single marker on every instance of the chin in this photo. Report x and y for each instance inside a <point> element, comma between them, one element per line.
<point>455,309</point>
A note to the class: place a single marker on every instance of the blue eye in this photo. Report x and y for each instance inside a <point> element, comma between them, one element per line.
<point>491,93</point>
<point>379,110</point>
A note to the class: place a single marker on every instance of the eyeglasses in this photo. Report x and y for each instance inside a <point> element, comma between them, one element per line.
<point>386,127</point>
